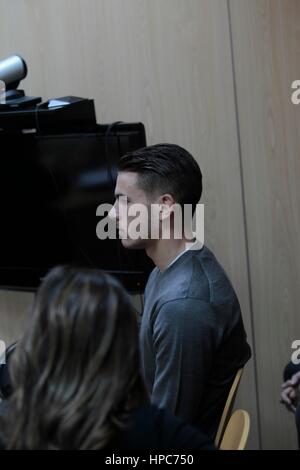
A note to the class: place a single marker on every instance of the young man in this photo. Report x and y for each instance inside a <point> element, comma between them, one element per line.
<point>192,335</point>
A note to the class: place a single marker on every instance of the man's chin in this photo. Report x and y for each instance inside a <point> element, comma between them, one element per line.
<point>130,244</point>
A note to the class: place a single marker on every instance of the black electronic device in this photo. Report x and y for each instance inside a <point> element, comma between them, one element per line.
<point>51,184</point>
<point>57,166</point>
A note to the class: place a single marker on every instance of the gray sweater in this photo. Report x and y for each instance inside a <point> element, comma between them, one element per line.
<point>192,338</point>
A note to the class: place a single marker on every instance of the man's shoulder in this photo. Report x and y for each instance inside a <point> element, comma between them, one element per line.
<point>175,282</point>
<point>197,274</point>
<point>197,282</point>
<point>207,266</point>
<point>200,276</point>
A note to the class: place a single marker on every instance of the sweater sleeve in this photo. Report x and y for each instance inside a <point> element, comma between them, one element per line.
<point>184,338</point>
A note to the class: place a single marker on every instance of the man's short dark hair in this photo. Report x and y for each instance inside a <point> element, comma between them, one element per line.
<point>166,168</point>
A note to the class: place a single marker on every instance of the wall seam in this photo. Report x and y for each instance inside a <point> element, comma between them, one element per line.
<point>238,131</point>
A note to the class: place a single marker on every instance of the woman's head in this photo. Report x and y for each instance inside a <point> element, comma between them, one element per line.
<point>75,374</point>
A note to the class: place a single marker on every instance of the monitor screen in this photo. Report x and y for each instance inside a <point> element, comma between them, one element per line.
<point>51,186</point>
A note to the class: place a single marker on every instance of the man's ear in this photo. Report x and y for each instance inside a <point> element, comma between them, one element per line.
<point>167,200</point>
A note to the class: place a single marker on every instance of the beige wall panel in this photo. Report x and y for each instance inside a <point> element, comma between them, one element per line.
<point>266,36</point>
<point>166,63</point>
<point>14,308</point>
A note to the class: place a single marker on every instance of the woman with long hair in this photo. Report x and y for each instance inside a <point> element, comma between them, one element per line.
<point>76,376</point>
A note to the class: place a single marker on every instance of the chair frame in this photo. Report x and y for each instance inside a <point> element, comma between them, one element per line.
<point>240,418</point>
<point>228,406</point>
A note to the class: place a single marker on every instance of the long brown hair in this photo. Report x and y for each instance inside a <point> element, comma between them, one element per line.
<point>75,374</point>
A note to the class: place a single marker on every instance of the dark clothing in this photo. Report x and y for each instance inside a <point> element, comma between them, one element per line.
<point>289,371</point>
<point>154,428</point>
<point>297,418</point>
<point>151,428</point>
<point>192,338</point>
<point>3,412</point>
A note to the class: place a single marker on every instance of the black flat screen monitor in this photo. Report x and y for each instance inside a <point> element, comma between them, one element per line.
<point>51,186</point>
